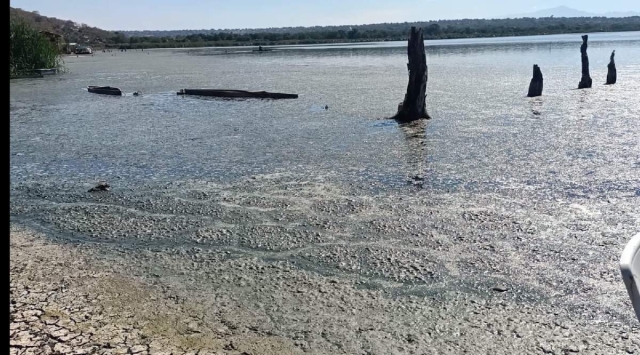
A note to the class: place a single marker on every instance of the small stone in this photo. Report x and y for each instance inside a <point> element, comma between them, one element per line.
<point>138,349</point>
<point>222,330</point>
<point>546,348</point>
<point>101,186</point>
<point>193,327</point>
<point>59,333</point>
<point>69,337</point>
<point>51,321</point>
<point>572,349</point>
<point>32,313</point>
<point>61,348</point>
<point>500,288</point>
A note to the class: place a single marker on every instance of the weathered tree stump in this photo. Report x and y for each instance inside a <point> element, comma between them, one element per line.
<point>414,105</point>
<point>612,75</point>
<point>535,87</point>
<point>585,82</point>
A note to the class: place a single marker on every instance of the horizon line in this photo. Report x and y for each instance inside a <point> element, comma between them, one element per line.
<point>373,23</point>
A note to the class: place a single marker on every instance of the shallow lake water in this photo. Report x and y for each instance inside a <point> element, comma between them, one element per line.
<point>485,133</point>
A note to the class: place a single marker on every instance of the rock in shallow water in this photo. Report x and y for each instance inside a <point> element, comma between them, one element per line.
<point>500,288</point>
<point>101,186</point>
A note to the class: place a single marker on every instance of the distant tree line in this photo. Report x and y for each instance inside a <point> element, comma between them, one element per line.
<point>445,29</point>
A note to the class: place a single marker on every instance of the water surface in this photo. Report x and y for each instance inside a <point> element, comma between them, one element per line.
<point>484,133</point>
<point>540,194</point>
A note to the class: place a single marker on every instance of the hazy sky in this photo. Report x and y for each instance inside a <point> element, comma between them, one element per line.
<point>206,14</point>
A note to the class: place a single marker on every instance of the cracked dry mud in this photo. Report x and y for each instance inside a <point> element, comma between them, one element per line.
<point>63,302</point>
<point>281,263</point>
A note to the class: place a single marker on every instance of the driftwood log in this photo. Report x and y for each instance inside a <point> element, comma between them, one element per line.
<point>535,87</point>
<point>585,82</point>
<point>414,105</point>
<point>612,75</point>
<point>237,94</point>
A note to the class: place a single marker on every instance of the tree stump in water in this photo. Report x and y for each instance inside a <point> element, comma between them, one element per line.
<point>414,105</point>
<point>535,87</point>
<point>585,82</point>
<point>611,73</point>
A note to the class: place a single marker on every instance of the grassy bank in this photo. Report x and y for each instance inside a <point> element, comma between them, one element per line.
<point>30,50</point>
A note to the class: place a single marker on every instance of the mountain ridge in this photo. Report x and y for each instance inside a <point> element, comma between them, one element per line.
<point>564,11</point>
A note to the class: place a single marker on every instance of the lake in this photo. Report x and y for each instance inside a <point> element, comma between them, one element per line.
<point>484,131</point>
<point>261,205</point>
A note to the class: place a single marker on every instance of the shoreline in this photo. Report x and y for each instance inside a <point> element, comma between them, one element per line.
<point>250,287</point>
<point>352,42</point>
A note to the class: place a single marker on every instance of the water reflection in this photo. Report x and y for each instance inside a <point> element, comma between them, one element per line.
<point>416,150</point>
<point>536,106</point>
<point>373,50</point>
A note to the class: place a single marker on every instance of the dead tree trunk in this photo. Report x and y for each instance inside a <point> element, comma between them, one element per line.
<point>611,73</point>
<point>585,82</point>
<point>414,105</point>
<point>535,87</point>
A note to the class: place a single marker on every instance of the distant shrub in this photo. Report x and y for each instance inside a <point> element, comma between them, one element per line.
<point>29,49</point>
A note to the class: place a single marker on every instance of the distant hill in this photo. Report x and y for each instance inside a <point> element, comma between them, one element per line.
<point>557,12</point>
<point>73,32</point>
<point>566,22</point>
<point>433,30</point>
<point>563,11</point>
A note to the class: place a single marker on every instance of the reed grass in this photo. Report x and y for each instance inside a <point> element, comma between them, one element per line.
<point>30,50</point>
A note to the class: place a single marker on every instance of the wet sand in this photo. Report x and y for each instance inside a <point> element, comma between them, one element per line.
<point>289,264</point>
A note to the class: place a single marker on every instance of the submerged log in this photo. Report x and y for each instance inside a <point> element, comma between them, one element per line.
<point>237,94</point>
<point>104,90</point>
<point>414,105</point>
<point>612,75</point>
<point>535,87</point>
<point>585,82</point>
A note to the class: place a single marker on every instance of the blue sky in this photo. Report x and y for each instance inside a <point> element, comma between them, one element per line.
<point>203,14</point>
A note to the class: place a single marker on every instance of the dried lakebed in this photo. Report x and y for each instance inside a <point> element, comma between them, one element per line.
<point>287,263</point>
